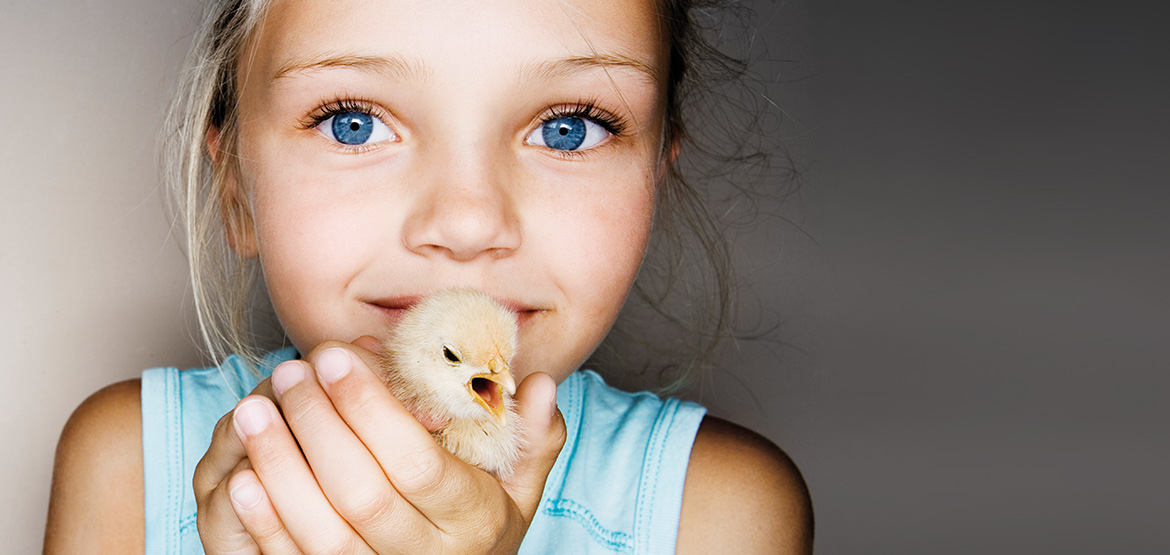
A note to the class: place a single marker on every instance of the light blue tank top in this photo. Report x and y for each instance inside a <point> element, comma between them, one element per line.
<point>615,488</point>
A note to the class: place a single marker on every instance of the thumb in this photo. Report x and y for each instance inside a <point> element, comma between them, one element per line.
<point>544,435</point>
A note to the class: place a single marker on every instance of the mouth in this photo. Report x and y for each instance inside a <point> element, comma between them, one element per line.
<point>394,308</point>
<point>489,389</point>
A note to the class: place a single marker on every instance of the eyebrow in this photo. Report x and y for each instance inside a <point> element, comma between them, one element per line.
<point>562,67</point>
<point>402,68</point>
<point>394,66</point>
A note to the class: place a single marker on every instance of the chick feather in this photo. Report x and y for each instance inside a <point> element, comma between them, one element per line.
<point>449,362</point>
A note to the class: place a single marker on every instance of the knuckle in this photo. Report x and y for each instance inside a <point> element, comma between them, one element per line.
<point>221,425</point>
<point>560,433</point>
<point>421,471</point>
<point>266,528</point>
<point>488,534</point>
<point>348,546</point>
<point>355,545</point>
<point>426,540</point>
<point>201,483</point>
<point>489,526</point>
<point>277,461</point>
<point>204,479</point>
<point>205,507</point>
<point>368,508</point>
<point>221,531</point>
<point>306,413</point>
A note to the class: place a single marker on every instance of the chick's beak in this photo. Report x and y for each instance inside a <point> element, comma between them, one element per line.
<point>488,389</point>
<point>503,375</point>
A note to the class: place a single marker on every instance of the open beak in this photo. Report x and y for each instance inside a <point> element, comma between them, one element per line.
<point>488,389</point>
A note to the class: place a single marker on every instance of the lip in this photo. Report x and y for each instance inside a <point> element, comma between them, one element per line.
<point>393,308</point>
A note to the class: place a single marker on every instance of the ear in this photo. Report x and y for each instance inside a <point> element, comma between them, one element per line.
<point>675,146</point>
<point>669,156</point>
<point>234,209</point>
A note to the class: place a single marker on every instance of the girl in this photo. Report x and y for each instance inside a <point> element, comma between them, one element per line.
<point>363,155</point>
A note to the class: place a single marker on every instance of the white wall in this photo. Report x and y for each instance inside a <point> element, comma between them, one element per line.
<point>92,289</point>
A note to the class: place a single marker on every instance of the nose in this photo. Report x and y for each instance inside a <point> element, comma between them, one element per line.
<point>464,212</point>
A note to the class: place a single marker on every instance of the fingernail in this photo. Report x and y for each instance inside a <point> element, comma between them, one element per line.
<point>286,375</point>
<point>250,418</point>
<point>333,364</point>
<point>552,399</point>
<point>247,494</point>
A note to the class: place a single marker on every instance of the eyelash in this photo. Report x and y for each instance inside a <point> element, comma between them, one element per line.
<point>584,109</point>
<point>341,106</point>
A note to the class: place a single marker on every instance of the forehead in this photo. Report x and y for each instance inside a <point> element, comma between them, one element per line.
<point>470,38</point>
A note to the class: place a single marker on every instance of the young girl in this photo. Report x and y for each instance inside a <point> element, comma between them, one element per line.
<point>362,155</point>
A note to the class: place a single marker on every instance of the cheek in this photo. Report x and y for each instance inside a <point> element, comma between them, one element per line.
<point>290,255</point>
<point>614,243</point>
<point>594,249</point>
<point>309,249</point>
<point>599,238</point>
<point>308,221</point>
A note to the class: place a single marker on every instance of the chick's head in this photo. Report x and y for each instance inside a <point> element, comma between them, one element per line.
<point>452,351</point>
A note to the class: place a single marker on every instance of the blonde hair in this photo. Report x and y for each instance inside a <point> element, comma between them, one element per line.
<point>229,297</point>
<point>223,283</point>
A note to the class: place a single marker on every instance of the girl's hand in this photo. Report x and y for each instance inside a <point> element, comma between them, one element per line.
<point>370,479</point>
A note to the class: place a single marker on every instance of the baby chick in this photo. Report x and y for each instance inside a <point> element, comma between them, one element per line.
<point>448,362</point>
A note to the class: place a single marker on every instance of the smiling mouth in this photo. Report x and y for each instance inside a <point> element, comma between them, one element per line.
<point>393,311</point>
<point>395,308</point>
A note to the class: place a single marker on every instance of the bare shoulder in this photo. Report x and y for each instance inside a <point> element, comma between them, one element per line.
<point>95,504</point>
<point>742,494</point>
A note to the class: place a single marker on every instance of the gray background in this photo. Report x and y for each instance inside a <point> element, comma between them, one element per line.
<point>971,282</point>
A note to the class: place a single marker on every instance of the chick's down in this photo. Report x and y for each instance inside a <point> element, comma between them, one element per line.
<point>449,362</point>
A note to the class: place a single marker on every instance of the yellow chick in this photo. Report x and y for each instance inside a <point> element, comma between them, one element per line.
<point>448,361</point>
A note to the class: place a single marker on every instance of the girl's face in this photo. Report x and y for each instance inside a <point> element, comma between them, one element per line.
<point>391,148</point>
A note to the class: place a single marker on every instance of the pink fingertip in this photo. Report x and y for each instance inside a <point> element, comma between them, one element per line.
<point>247,495</point>
<point>251,417</point>
<point>552,395</point>
<point>333,364</point>
<point>549,392</point>
<point>286,375</point>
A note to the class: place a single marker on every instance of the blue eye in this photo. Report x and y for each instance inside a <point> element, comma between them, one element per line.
<point>568,133</point>
<point>355,128</point>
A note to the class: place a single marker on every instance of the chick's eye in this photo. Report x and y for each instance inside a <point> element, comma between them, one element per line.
<point>568,133</point>
<point>355,128</point>
<point>450,355</point>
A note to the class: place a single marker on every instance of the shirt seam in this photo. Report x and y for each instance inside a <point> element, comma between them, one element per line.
<point>614,540</point>
<point>174,462</point>
<point>648,485</point>
<point>186,524</point>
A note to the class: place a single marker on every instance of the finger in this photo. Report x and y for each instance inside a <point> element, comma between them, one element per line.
<point>544,436</point>
<point>220,530</point>
<point>264,389</point>
<point>347,473</point>
<point>431,479</point>
<point>369,343</point>
<point>225,452</point>
<point>289,483</point>
<point>255,512</point>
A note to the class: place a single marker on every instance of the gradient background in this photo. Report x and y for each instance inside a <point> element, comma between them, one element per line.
<point>972,282</point>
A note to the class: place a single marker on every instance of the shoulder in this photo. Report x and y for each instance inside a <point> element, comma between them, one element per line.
<point>96,499</point>
<point>742,491</point>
